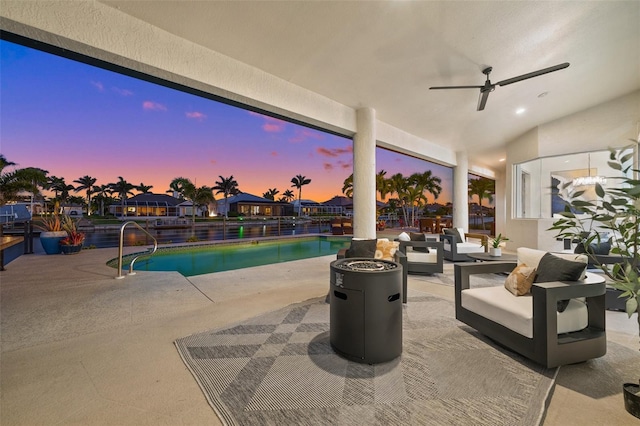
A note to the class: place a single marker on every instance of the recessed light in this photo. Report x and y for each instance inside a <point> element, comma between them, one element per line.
<point>543,94</point>
<point>501,160</point>
<point>520,111</point>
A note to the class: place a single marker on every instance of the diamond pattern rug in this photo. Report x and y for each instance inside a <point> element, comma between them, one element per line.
<point>280,369</point>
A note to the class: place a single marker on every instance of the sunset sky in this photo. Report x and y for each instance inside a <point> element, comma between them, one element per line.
<point>74,119</point>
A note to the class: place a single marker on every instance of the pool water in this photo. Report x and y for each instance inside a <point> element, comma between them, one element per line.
<point>205,259</point>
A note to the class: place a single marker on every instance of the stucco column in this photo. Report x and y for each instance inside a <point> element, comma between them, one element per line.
<point>461,191</point>
<point>364,174</point>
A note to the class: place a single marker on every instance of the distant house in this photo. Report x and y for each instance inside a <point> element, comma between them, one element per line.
<point>251,205</point>
<point>150,204</point>
<point>339,205</point>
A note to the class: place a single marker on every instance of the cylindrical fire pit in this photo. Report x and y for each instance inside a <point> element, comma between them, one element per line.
<point>366,309</point>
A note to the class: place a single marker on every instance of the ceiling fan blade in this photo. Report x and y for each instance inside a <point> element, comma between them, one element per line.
<point>532,74</point>
<point>482,100</point>
<point>457,87</point>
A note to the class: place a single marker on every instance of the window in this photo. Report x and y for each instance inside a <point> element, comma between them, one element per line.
<point>538,184</point>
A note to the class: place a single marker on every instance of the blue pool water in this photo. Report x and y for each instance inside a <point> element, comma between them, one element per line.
<point>197,260</point>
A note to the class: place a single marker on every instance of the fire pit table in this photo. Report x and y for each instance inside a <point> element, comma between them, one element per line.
<point>366,309</point>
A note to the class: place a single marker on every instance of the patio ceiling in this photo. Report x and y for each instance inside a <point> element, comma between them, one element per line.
<point>386,55</point>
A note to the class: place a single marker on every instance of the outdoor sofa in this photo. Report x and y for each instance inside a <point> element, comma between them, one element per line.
<point>531,324</point>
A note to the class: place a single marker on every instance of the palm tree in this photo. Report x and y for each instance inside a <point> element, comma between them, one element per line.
<point>197,196</point>
<point>347,186</point>
<point>102,192</point>
<point>29,179</point>
<point>399,184</point>
<point>122,188</point>
<point>271,194</point>
<point>144,189</point>
<point>427,182</point>
<point>226,187</point>
<point>298,182</point>
<point>86,182</point>
<point>382,184</point>
<point>483,188</point>
<point>287,196</point>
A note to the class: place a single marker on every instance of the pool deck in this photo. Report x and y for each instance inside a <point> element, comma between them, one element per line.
<point>80,347</point>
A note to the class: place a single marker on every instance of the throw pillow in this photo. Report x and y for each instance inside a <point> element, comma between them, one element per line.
<point>362,248</point>
<point>554,268</point>
<point>404,237</point>
<point>386,249</point>
<point>455,233</point>
<point>419,236</point>
<point>520,280</point>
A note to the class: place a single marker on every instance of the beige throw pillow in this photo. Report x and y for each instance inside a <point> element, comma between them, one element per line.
<point>520,280</point>
<point>386,249</point>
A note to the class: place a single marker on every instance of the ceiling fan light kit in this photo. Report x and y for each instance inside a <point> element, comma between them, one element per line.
<point>489,87</point>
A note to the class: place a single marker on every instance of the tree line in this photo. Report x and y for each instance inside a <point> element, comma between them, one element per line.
<point>14,183</point>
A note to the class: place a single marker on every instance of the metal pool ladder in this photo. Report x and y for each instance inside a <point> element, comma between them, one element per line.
<point>155,248</point>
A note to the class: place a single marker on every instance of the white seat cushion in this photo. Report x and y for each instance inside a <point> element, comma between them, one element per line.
<point>516,313</point>
<point>422,257</point>
<point>464,248</point>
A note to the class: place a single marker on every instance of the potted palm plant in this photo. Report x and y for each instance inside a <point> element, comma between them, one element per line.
<point>496,245</point>
<point>72,243</point>
<point>51,233</point>
<point>616,212</point>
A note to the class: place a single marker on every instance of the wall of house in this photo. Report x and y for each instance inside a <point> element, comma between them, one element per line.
<point>611,124</point>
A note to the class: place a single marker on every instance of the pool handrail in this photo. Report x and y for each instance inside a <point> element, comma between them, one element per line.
<point>121,244</point>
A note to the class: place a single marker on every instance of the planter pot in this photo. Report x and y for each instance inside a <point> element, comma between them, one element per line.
<point>51,241</point>
<point>631,393</point>
<point>495,252</point>
<point>71,249</point>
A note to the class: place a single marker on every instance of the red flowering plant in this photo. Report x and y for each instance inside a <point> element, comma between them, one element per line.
<point>74,237</point>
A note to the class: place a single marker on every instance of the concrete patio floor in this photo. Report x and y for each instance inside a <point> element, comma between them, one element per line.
<point>80,347</point>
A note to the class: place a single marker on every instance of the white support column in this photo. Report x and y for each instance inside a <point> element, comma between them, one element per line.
<point>364,174</point>
<point>461,191</point>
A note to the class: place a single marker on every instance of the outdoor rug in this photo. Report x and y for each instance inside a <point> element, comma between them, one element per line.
<point>279,369</point>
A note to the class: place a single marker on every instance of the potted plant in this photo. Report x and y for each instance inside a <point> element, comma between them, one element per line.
<point>496,245</point>
<point>72,243</point>
<point>616,211</point>
<point>51,233</point>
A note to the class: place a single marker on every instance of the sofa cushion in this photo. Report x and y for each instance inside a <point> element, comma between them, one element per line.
<point>520,280</point>
<point>464,248</point>
<point>516,313</point>
<point>455,233</point>
<point>421,257</point>
<point>532,257</point>
<point>362,248</point>
<point>386,249</point>
<point>419,236</point>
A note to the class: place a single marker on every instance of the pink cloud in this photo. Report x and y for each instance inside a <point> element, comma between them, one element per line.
<point>122,92</point>
<point>274,154</point>
<point>345,164</point>
<point>327,166</point>
<point>214,162</point>
<point>273,125</point>
<point>98,85</point>
<point>196,115</point>
<point>335,152</point>
<point>302,135</point>
<point>153,106</point>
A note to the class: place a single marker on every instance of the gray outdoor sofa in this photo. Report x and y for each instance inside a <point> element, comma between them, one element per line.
<point>495,312</point>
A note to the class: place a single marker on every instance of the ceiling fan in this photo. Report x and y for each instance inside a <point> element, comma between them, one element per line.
<point>489,87</point>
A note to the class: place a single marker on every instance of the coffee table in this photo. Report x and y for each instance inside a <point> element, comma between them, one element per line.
<point>486,257</point>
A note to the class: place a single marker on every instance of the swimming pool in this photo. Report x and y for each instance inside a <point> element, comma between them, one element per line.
<point>205,259</point>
